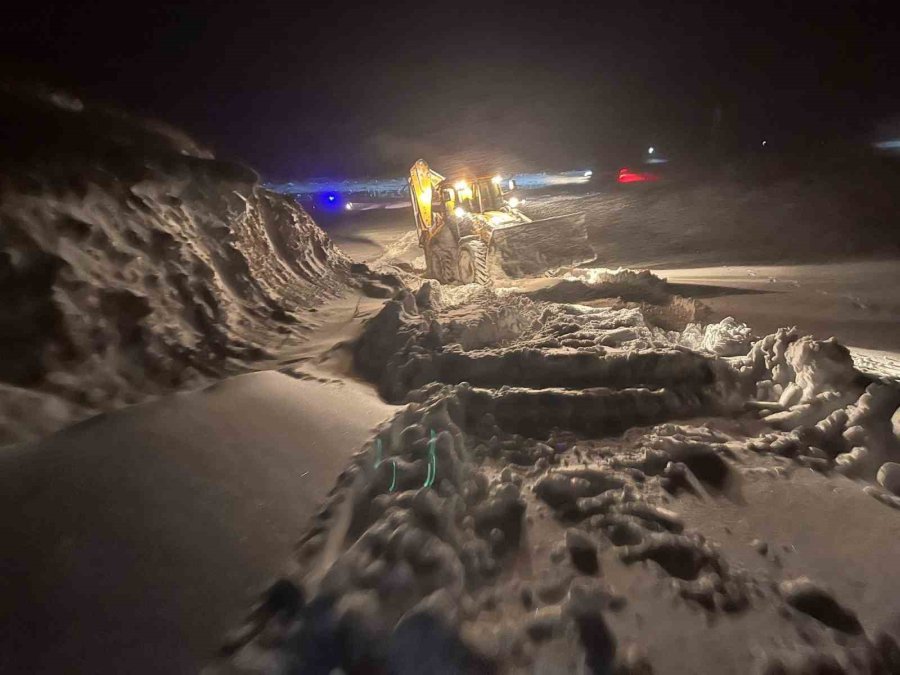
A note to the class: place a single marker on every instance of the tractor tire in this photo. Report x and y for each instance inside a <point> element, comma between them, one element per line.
<point>441,258</point>
<point>473,262</point>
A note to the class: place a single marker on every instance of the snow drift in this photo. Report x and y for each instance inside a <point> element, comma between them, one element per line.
<point>134,263</point>
<point>521,513</point>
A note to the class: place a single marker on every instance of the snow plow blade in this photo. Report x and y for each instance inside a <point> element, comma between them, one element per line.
<point>528,249</point>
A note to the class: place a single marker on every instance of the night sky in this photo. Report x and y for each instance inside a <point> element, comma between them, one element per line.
<point>341,89</point>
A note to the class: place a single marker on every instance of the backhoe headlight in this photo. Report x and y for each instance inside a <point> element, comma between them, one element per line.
<point>513,201</point>
<point>459,211</point>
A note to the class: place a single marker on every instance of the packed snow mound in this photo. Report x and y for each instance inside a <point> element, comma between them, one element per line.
<point>475,532</point>
<point>820,409</point>
<point>600,276</point>
<point>432,294</point>
<point>134,264</point>
<point>728,337</point>
<point>507,339</point>
<point>659,304</point>
<point>522,512</point>
<point>578,285</point>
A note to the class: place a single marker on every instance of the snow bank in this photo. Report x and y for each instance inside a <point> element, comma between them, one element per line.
<point>134,263</point>
<point>579,285</point>
<point>834,416</point>
<point>434,551</point>
<point>543,444</point>
<point>621,276</point>
<point>826,413</point>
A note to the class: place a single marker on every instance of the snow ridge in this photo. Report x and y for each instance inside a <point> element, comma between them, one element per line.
<point>521,513</point>
<point>135,264</point>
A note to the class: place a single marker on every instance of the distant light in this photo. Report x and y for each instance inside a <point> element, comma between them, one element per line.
<point>588,174</point>
<point>626,175</point>
<point>461,185</point>
<point>893,144</point>
<point>459,211</point>
<point>349,206</point>
<point>496,180</point>
<point>765,143</point>
<point>331,198</point>
<point>513,201</point>
<point>651,150</point>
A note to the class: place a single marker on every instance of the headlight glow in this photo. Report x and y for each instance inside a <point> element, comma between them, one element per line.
<point>496,180</point>
<point>459,211</point>
<point>513,201</point>
<point>349,206</point>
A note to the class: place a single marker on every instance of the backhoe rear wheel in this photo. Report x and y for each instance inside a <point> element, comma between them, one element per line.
<point>473,261</point>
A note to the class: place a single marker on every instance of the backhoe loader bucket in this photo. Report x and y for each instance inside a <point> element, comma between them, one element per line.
<point>529,249</point>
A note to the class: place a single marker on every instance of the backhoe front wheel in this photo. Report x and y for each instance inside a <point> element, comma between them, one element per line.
<point>473,261</point>
<point>441,257</point>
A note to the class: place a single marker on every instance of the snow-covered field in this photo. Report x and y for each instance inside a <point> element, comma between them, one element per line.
<point>606,471</point>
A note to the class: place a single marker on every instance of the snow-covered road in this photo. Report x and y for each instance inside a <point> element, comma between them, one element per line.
<point>549,498</point>
<point>552,497</point>
<point>854,300</point>
<point>134,541</point>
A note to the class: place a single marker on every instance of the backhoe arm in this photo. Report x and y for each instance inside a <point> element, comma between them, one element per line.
<point>422,184</point>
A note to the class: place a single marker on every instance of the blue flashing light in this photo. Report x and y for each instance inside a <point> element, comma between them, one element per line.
<point>330,200</point>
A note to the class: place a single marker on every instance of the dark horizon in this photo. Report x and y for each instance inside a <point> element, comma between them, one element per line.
<point>298,92</point>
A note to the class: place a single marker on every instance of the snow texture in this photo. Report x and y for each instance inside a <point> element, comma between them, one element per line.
<point>135,264</point>
<point>728,337</point>
<point>525,510</point>
<point>506,519</point>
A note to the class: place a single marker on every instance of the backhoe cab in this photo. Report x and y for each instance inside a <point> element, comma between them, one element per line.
<point>471,229</point>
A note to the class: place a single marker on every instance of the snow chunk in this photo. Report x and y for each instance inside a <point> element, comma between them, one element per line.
<point>889,477</point>
<point>600,276</point>
<point>728,337</point>
<point>596,282</point>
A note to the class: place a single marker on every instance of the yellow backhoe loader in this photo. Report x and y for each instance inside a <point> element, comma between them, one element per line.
<point>470,230</point>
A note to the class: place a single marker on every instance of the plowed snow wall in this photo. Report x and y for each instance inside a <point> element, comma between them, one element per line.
<point>133,263</point>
